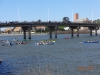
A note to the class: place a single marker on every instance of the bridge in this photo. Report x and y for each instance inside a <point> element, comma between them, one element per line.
<point>51,25</point>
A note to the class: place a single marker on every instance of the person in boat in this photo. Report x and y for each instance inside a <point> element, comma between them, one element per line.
<point>10,44</point>
<point>90,41</point>
<point>84,41</point>
<point>21,42</point>
<point>24,40</point>
<point>3,41</point>
<point>15,39</point>
<point>7,41</point>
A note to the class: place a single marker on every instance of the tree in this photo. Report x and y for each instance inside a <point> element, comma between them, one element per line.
<point>97,21</point>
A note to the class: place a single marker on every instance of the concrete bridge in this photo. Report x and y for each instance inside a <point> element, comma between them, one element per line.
<point>51,25</point>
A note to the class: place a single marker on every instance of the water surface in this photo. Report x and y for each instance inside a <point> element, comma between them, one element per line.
<point>63,58</point>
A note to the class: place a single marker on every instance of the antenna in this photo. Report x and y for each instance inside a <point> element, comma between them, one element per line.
<point>18,14</point>
<point>48,14</point>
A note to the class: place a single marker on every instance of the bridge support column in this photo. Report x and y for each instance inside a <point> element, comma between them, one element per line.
<point>95,32</point>
<point>50,30</point>
<point>56,28</point>
<point>55,33</point>
<point>90,32</point>
<point>24,31</point>
<point>29,34</point>
<point>71,32</point>
<point>77,32</point>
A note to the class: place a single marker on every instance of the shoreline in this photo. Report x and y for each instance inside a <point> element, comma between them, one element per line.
<point>32,34</point>
<point>22,34</point>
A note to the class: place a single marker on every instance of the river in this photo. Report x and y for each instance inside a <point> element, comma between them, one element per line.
<point>65,57</point>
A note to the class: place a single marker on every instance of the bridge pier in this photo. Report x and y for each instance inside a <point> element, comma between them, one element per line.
<point>90,28</point>
<point>95,32</point>
<point>90,32</point>
<point>24,32</point>
<point>50,30</point>
<point>29,34</point>
<point>71,32</point>
<point>77,32</point>
<point>74,27</point>
<point>93,28</point>
<point>55,33</point>
<point>56,28</point>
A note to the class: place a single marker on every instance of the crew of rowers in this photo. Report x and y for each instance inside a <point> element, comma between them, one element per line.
<point>94,41</point>
<point>15,39</point>
<point>6,41</point>
<point>10,44</point>
<point>46,42</point>
<point>22,42</point>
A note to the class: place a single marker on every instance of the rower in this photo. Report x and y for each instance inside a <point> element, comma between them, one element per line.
<point>84,40</point>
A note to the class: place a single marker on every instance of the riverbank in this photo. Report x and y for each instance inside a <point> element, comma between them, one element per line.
<point>58,32</point>
<point>22,34</point>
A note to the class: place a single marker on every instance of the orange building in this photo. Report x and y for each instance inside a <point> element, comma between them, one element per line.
<point>75,17</point>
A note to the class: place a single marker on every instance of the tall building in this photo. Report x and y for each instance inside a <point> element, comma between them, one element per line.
<point>75,17</point>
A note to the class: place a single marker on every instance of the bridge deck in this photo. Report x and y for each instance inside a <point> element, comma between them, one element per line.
<point>14,24</point>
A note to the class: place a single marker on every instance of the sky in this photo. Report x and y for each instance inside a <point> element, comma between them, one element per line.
<point>53,10</point>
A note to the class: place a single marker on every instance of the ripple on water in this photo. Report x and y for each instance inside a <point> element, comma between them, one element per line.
<point>63,57</point>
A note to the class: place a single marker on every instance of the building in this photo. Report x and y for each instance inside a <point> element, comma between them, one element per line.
<point>8,30</point>
<point>17,29</point>
<point>40,27</point>
<point>84,20</point>
<point>75,17</point>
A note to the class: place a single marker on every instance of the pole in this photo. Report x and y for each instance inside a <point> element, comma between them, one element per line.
<point>72,14</point>
<point>48,14</point>
<point>92,15</point>
<point>18,14</point>
<point>19,19</point>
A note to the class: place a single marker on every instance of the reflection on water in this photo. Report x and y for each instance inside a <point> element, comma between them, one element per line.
<point>63,58</point>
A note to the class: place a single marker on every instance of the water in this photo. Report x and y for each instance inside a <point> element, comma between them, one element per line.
<point>65,57</point>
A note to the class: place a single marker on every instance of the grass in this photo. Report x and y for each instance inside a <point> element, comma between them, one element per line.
<point>62,27</point>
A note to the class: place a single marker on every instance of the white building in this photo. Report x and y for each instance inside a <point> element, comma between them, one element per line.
<point>84,20</point>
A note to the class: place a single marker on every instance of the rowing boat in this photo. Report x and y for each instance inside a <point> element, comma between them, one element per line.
<point>89,42</point>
